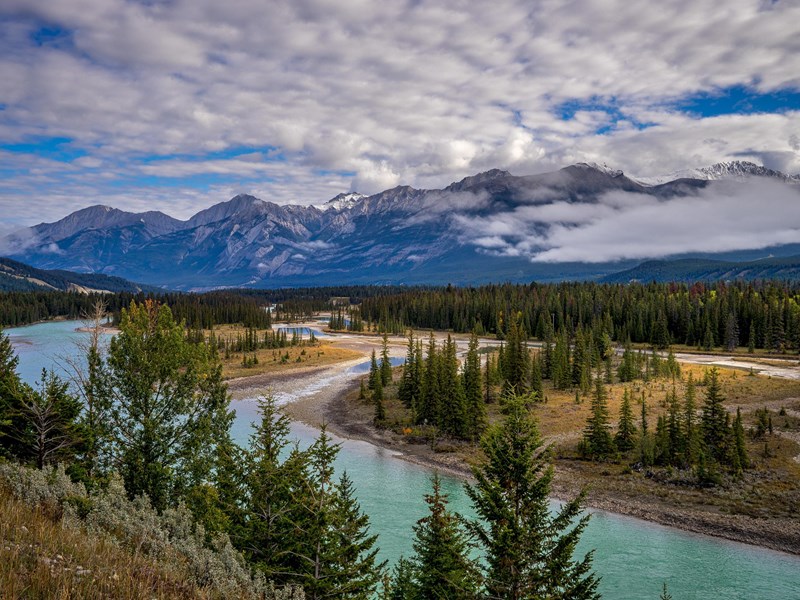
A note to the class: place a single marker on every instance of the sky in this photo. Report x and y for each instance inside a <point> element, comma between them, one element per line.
<point>175,105</point>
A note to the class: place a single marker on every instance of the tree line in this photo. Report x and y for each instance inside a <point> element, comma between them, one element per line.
<point>762,315</point>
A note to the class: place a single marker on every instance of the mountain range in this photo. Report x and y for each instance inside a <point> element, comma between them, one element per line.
<point>401,235</point>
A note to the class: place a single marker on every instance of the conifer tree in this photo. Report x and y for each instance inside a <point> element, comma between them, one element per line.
<point>11,391</point>
<point>597,441</point>
<point>715,429</point>
<point>537,383</point>
<point>741,460</point>
<point>354,567</point>
<point>428,410</point>
<point>690,429</point>
<point>677,442</point>
<point>374,371</point>
<point>377,400</point>
<point>473,392</point>
<point>409,384</point>
<point>441,566</point>
<point>528,552</point>
<point>626,429</point>
<point>270,504</point>
<point>452,417</point>
<point>50,431</point>
<point>386,363</point>
<point>515,357</point>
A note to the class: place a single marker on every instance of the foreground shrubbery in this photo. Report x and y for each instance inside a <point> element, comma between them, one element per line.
<point>108,537</point>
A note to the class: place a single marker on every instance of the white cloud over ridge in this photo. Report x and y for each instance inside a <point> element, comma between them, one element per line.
<point>724,216</point>
<point>364,96</point>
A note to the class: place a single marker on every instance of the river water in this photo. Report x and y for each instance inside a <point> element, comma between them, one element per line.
<point>633,557</point>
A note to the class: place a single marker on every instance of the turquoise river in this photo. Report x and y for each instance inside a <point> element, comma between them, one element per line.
<point>633,557</point>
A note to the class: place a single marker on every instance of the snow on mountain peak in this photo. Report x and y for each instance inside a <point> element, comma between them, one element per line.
<point>604,168</point>
<point>735,169</point>
<point>343,201</point>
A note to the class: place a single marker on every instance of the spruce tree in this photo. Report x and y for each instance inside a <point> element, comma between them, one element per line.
<point>377,400</point>
<point>741,460</point>
<point>268,538</point>
<point>597,441</point>
<point>473,392</point>
<point>354,567</point>
<point>715,428</point>
<point>386,363</point>
<point>626,429</point>
<point>49,429</point>
<point>374,371</point>
<point>11,391</point>
<point>407,390</point>
<point>441,565</point>
<point>430,397</point>
<point>452,417</point>
<point>528,552</point>
<point>677,442</point>
<point>690,429</point>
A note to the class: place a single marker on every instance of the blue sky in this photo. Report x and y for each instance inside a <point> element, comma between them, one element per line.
<point>175,106</point>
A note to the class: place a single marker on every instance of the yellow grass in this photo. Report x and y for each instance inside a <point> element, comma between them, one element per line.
<point>274,360</point>
<point>41,559</point>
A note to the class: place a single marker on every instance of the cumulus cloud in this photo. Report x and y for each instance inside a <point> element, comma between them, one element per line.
<point>366,96</point>
<point>722,217</point>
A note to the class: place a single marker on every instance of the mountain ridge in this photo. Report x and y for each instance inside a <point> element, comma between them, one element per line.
<point>399,235</point>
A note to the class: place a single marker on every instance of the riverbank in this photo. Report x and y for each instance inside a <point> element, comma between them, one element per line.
<point>353,420</point>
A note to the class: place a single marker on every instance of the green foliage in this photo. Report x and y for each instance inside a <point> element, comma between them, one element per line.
<point>441,567</point>
<point>598,444</point>
<point>626,429</point>
<point>166,403</point>
<point>528,552</point>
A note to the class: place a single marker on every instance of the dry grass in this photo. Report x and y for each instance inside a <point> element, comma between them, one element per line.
<point>283,359</point>
<point>41,559</point>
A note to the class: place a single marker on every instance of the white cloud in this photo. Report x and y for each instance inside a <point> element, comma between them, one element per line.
<point>724,216</point>
<point>419,93</point>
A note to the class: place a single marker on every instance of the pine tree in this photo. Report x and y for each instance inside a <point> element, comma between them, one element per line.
<point>528,552</point>
<point>677,442</point>
<point>597,441</point>
<point>473,392</point>
<point>715,428</point>
<point>11,391</point>
<point>452,417</point>
<point>626,429</point>
<point>354,567</point>
<point>441,565</point>
<point>515,357</point>
<point>374,371</point>
<point>429,405</point>
<point>49,430</point>
<point>408,389</point>
<point>690,430</point>
<point>386,363</point>
<point>741,460</point>
<point>377,400</point>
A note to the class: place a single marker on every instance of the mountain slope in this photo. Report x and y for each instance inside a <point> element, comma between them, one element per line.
<point>698,269</point>
<point>17,276</point>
